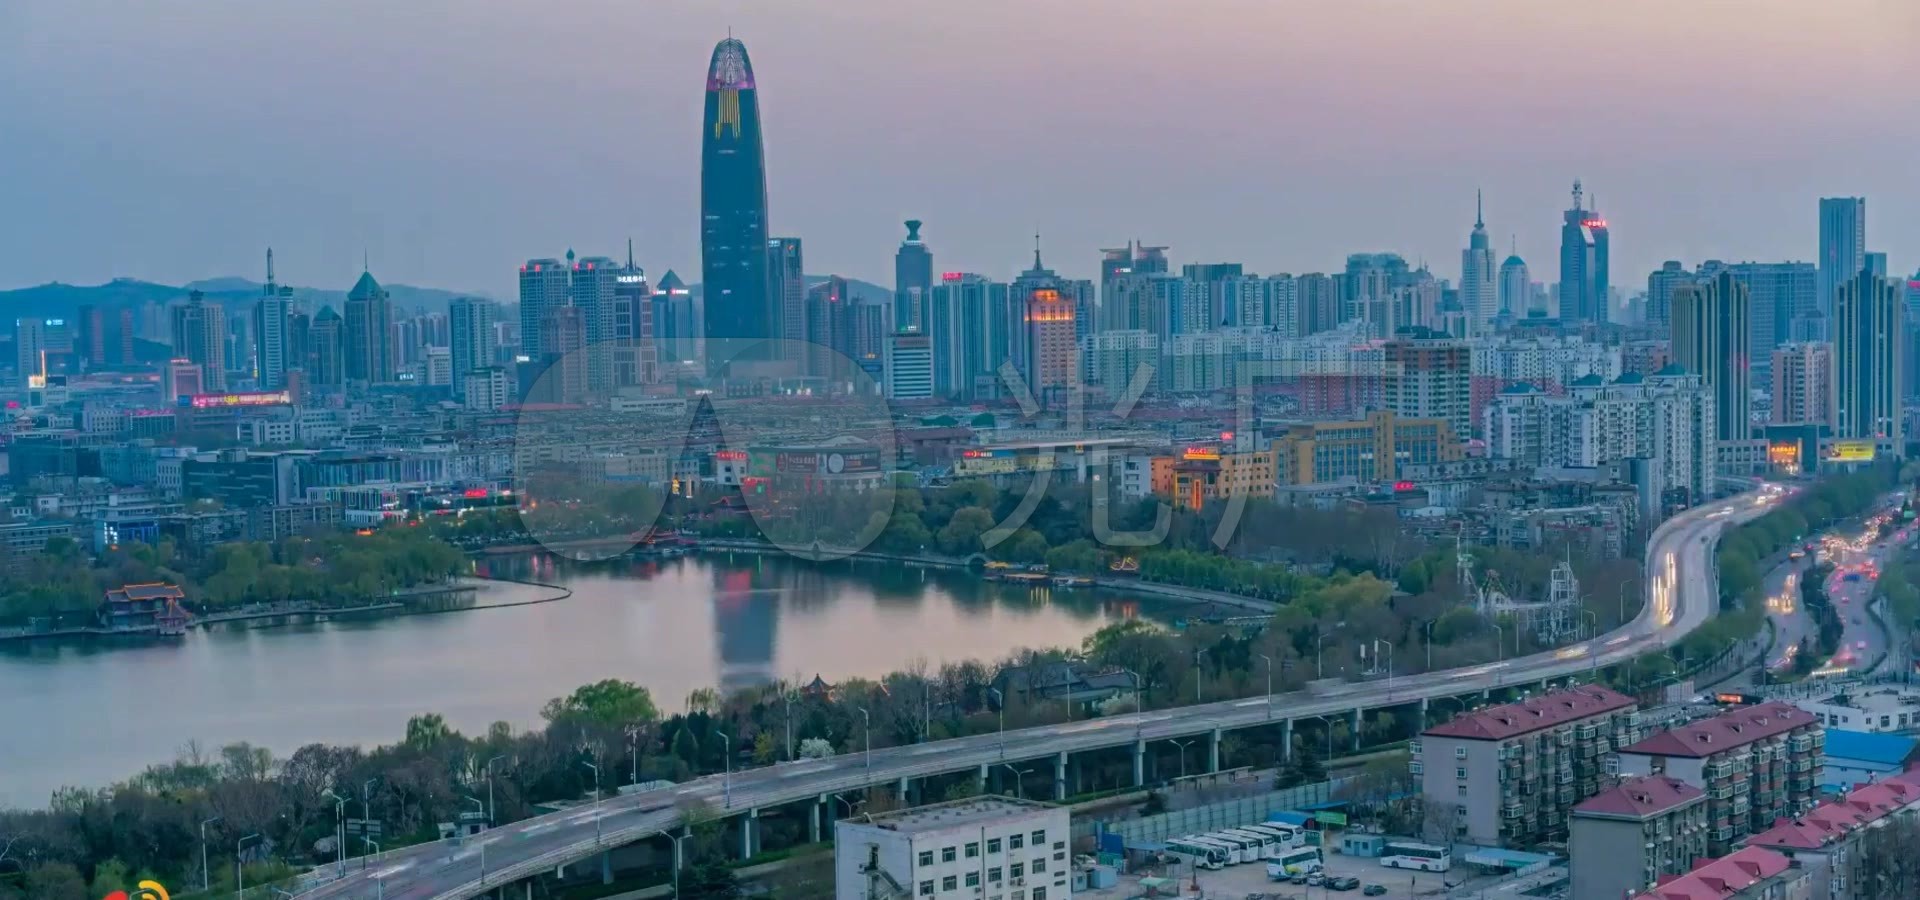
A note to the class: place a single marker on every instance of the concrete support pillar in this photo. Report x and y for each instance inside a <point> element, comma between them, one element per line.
<point>980,781</point>
<point>906,791</point>
<point>748,826</point>
<point>679,861</point>
<point>1358,714</point>
<point>1060,778</point>
<point>1139,763</point>
<point>1213,750</point>
<point>1286,741</point>
<point>1423,713</point>
<point>606,867</point>
<point>813,822</point>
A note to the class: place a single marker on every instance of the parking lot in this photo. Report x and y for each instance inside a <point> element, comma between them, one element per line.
<point>1236,882</point>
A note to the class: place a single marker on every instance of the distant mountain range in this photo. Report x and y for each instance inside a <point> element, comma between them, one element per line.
<point>56,300</point>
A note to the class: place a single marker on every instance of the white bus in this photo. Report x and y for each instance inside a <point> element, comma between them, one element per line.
<point>1204,856</point>
<point>1287,835</point>
<point>1304,861</point>
<point>1410,855</point>
<point>1252,846</point>
<point>1274,844</point>
<point>1235,855</point>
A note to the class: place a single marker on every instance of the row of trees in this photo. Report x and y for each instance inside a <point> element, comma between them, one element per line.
<point>65,585</point>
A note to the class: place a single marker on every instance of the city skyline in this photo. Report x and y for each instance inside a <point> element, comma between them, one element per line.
<point>445,211</point>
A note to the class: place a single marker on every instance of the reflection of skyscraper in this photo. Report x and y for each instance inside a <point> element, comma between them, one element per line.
<point>746,629</point>
<point>733,207</point>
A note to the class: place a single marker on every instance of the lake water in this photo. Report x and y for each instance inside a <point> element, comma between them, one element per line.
<point>88,714</point>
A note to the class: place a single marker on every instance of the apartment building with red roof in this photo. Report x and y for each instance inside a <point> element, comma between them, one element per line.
<point>1750,874</point>
<point>1828,840</point>
<point>1626,838</point>
<point>1512,773</point>
<point>1755,764</point>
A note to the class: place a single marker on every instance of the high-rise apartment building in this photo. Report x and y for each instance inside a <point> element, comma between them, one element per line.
<point>593,288</point>
<point>1052,351</point>
<point>471,346</point>
<point>1756,764</point>
<point>1479,287</point>
<point>1664,423</point>
<point>272,343</point>
<point>1803,384</point>
<point>736,309</point>
<point>200,334</point>
<point>1366,291</point>
<point>1318,300</point>
<point>30,350</point>
<point>636,357</point>
<point>1077,294</point>
<point>326,351</point>
<point>1511,774</point>
<point>1660,285</point>
<point>1843,245</point>
<point>369,327</point>
<point>965,321</point>
<point>1113,359</point>
<point>830,329</point>
<point>1867,359</point>
<point>912,280</point>
<point>1583,264</point>
<point>1710,337</point>
<point>1779,294</point>
<point>1429,375</point>
<point>563,363</point>
<point>91,344</point>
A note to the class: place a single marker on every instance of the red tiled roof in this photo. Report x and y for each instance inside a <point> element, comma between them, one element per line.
<point>1724,877</point>
<point>1728,731</point>
<point>1830,822</point>
<point>134,592</point>
<point>1533,714</point>
<point>1640,798</point>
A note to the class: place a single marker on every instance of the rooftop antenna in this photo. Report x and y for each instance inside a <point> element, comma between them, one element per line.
<point>629,253</point>
<point>363,261</point>
<point>1479,210</point>
<point>269,267</point>
<point>1036,250</point>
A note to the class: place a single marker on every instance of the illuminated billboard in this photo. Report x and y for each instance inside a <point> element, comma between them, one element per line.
<point>1850,451</point>
<point>245,398</point>
<point>1784,453</point>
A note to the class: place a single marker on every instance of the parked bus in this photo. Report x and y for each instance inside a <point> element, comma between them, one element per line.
<point>1265,846</point>
<point>1288,836</point>
<point>1203,856</point>
<point>1235,855</point>
<point>1409,855</point>
<point>1303,861</point>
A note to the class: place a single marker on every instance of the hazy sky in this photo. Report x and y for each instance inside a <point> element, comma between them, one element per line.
<point>452,139</point>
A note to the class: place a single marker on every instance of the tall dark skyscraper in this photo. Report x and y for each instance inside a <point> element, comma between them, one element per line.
<point>1583,264</point>
<point>912,280</point>
<point>738,302</point>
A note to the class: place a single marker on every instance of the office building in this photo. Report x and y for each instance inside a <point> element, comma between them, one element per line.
<point>326,351</point>
<point>1516,287</point>
<point>1803,384</point>
<point>30,351</point>
<point>912,280</point>
<point>980,848</point>
<point>562,366</point>
<point>485,389</point>
<point>1625,839</point>
<point>471,344</point>
<point>1756,764</point>
<point>737,308</point>
<point>1128,292</point>
<point>1660,285</point>
<point>543,286</point>
<point>1710,337</point>
<point>636,358</point>
<point>786,269</point>
<point>1078,295</point>
<point>1867,358</point>
<point>369,328</point>
<point>909,366</point>
<point>91,343</point>
<point>829,334</point>
<point>437,366</point>
<point>676,322</point>
<point>1052,350</point>
<point>1511,774</point>
<point>1479,287</point>
<point>1373,450</point>
<point>200,334</point>
<point>1843,245</point>
<point>273,349</point>
<point>1583,264</point>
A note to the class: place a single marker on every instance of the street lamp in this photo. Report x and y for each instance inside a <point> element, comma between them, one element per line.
<point>239,868</point>
<point>1019,774</point>
<point>1429,631</point>
<point>491,822</point>
<point>371,843</point>
<point>677,859</point>
<point>1319,661</point>
<point>205,873</point>
<point>1198,673</point>
<point>1499,641</point>
<point>1623,601</point>
<point>788,697</point>
<point>1183,745</point>
<point>1376,655</point>
<point>1269,661</point>
<point>726,745</point>
<point>1138,689</point>
<point>867,718</point>
<point>339,828</point>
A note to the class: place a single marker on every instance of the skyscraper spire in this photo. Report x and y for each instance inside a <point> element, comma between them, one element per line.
<point>269,268</point>
<point>629,253</point>
<point>1479,210</point>
<point>1036,251</point>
